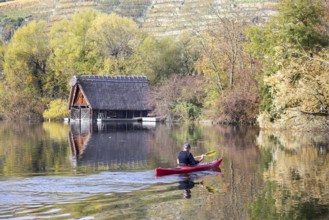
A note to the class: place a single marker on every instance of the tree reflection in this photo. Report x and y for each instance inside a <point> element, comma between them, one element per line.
<point>296,177</point>
<point>33,149</point>
<point>266,175</point>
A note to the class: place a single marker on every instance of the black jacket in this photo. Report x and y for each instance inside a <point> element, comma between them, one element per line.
<point>186,159</point>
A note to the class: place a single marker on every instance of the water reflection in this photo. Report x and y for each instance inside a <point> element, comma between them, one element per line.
<point>296,175</point>
<point>186,183</point>
<point>190,180</point>
<point>265,175</point>
<point>110,145</point>
<point>33,149</point>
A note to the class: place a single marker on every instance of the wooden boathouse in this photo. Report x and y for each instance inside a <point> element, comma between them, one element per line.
<point>108,97</point>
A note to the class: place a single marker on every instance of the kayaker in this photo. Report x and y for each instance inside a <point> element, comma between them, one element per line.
<point>185,157</point>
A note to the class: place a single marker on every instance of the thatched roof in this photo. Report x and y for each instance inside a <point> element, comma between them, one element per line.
<point>113,92</point>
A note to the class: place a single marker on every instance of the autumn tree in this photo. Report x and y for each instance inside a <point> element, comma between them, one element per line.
<point>93,43</point>
<point>294,50</point>
<point>114,39</point>
<point>25,63</point>
<point>232,90</point>
<point>180,98</point>
<point>38,62</point>
<point>19,105</point>
<point>71,50</point>
<point>114,36</point>
<point>25,73</point>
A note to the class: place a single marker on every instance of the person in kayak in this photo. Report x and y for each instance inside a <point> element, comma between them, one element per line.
<point>185,157</point>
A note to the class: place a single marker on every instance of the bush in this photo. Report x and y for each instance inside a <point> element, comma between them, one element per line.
<point>186,111</point>
<point>57,110</point>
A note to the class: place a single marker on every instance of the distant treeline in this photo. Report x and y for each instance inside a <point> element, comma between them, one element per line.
<point>275,72</point>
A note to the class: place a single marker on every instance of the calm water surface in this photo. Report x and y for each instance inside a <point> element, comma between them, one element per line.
<point>106,171</point>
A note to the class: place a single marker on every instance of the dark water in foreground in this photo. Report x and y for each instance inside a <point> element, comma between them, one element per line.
<point>106,171</point>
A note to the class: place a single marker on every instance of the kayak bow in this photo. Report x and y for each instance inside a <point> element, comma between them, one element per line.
<point>187,169</point>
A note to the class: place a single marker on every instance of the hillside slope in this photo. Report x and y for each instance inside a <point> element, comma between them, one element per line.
<point>170,17</point>
<point>161,17</point>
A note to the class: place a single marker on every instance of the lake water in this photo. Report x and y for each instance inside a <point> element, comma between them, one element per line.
<point>106,171</point>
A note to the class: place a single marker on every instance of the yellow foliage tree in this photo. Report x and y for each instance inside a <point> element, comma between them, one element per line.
<point>293,48</point>
<point>26,58</point>
<point>300,93</point>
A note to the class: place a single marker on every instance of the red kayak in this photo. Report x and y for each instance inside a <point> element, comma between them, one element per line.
<point>188,169</point>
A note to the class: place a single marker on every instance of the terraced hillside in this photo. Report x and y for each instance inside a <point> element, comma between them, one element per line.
<point>161,17</point>
<point>170,17</point>
<point>52,10</point>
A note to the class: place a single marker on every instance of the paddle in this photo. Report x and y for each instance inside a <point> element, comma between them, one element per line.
<point>211,189</point>
<point>211,153</point>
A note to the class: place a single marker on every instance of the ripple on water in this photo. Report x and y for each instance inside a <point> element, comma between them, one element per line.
<point>47,196</point>
<point>42,189</point>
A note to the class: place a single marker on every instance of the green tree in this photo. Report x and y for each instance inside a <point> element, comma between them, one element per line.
<point>158,59</point>
<point>300,24</point>
<point>166,58</point>
<point>10,25</point>
<point>189,52</point>
<point>186,111</point>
